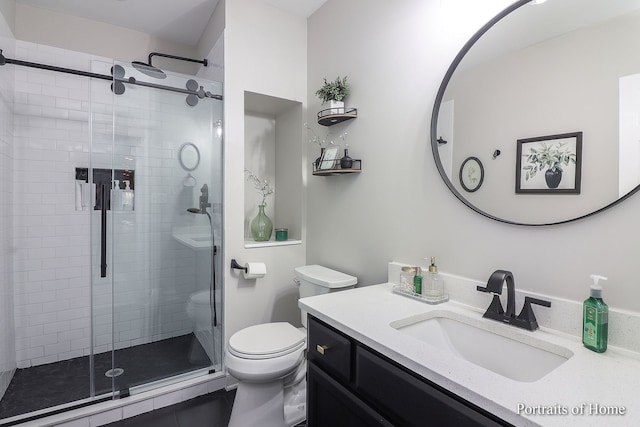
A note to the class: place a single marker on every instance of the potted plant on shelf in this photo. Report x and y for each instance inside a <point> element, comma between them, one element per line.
<point>552,158</point>
<point>334,93</point>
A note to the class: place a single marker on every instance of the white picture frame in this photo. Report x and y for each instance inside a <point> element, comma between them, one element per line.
<point>329,158</point>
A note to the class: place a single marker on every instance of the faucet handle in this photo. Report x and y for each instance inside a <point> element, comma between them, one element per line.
<point>531,300</point>
<point>527,315</point>
<point>483,289</point>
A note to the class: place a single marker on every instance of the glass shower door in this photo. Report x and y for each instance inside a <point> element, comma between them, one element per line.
<point>155,306</point>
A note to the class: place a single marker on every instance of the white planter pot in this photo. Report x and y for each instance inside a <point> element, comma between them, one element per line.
<point>337,107</point>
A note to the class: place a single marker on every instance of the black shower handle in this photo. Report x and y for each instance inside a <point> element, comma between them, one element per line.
<point>103,232</point>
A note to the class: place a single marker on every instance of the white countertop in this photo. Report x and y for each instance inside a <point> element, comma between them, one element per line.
<point>610,379</point>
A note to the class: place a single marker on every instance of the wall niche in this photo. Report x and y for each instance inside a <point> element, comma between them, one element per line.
<point>273,132</point>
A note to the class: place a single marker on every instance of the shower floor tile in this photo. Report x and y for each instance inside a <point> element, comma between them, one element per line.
<point>53,384</point>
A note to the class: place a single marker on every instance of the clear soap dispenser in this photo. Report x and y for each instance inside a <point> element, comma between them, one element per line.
<point>116,196</point>
<point>127,197</point>
<point>434,287</point>
<point>595,318</point>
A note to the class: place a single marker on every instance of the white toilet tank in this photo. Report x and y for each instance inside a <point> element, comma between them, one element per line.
<point>318,280</point>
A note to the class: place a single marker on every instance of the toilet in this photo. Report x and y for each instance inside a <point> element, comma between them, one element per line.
<point>269,360</point>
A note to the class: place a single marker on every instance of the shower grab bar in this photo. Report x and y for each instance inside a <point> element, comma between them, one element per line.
<point>103,232</point>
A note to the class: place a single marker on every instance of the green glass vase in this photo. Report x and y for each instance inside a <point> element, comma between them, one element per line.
<point>261,226</point>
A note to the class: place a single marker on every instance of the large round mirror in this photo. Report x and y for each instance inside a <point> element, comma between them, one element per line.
<point>546,97</point>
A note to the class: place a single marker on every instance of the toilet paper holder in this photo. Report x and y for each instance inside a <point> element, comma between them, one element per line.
<point>236,266</point>
<point>251,270</point>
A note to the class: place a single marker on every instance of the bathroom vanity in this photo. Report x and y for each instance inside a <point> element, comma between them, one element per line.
<point>351,384</point>
<point>378,358</point>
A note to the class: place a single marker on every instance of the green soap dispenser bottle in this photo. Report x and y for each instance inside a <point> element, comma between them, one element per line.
<point>417,281</point>
<point>595,318</point>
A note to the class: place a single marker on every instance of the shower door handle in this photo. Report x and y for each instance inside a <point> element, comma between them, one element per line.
<point>103,232</point>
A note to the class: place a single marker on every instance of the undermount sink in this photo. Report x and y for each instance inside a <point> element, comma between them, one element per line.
<point>509,353</point>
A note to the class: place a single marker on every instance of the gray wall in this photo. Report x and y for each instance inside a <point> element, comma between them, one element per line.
<point>395,54</point>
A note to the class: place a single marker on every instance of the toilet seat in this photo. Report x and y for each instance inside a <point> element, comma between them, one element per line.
<point>266,341</point>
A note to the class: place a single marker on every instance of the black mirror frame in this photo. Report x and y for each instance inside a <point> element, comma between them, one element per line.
<point>434,126</point>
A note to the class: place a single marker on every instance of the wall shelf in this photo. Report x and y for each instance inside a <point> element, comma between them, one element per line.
<point>329,118</point>
<point>356,168</point>
<point>248,244</point>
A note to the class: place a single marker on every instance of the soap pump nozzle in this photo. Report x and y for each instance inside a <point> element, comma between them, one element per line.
<point>596,288</point>
<point>433,268</point>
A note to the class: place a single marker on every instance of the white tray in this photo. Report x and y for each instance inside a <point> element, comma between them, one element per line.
<point>429,300</point>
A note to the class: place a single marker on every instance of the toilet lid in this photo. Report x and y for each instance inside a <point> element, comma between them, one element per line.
<point>326,277</point>
<point>266,340</point>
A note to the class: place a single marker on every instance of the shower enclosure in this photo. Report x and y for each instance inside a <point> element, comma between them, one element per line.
<point>116,244</point>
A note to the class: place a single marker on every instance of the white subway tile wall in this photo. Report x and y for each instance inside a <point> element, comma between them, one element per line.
<point>7,333</point>
<point>150,275</point>
<point>51,263</point>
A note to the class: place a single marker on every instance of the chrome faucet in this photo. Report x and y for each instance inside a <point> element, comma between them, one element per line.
<point>526,319</point>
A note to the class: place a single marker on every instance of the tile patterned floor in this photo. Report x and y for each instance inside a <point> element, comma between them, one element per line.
<point>210,410</point>
<point>67,381</point>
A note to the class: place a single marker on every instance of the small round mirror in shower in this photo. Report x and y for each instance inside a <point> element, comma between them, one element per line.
<point>189,156</point>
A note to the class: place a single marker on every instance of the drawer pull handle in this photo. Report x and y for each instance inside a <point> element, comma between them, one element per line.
<point>322,348</point>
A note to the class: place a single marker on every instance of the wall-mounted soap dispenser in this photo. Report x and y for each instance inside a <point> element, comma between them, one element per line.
<point>116,196</point>
<point>109,180</point>
<point>127,197</point>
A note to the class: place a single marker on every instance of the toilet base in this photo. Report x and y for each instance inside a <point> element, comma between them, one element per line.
<point>258,404</point>
<point>269,405</point>
<point>295,403</point>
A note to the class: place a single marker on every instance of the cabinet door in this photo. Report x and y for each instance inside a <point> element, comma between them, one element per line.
<point>329,349</point>
<point>331,405</point>
<point>410,401</point>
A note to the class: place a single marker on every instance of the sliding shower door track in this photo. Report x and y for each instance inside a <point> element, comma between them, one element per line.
<point>55,410</point>
<point>131,80</point>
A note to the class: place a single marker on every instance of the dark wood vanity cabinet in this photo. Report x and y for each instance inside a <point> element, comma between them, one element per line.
<point>349,384</point>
